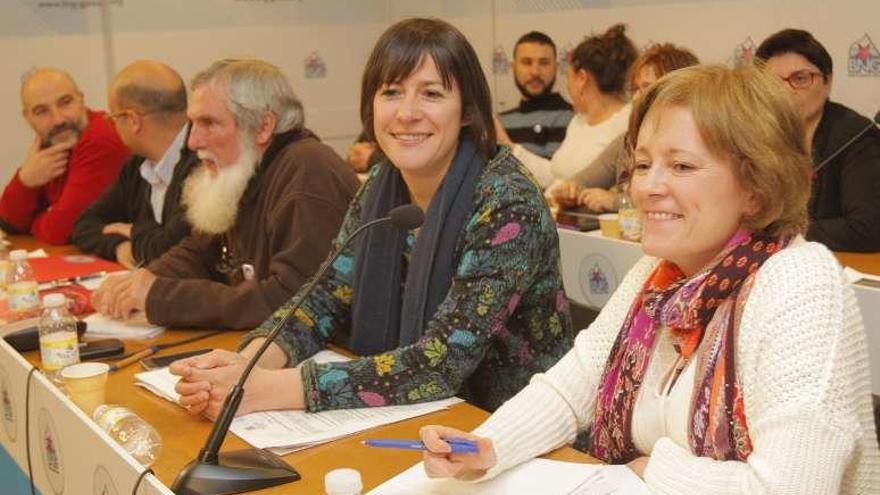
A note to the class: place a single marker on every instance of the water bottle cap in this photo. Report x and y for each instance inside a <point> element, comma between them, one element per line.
<point>343,481</point>
<point>18,254</point>
<point>54,300</point>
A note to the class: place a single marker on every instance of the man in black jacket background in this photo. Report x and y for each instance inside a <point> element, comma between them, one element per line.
<point>140,216</point>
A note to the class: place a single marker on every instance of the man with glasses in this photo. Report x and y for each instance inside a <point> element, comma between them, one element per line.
<point>265,202</point>
<point>541,119</point>
<point>845,203</point>
<point>75,155</point>
<point>139,217</point>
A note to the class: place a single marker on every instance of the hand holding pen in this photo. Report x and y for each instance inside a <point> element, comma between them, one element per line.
<point>443,461</point>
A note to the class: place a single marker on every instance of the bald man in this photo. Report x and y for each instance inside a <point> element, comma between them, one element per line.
<point>140,216</point>
<point>75,155</point>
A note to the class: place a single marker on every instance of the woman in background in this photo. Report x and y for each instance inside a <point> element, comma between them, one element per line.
<point>732,359</point>
<point>596,77</point>
<point>596,186</point>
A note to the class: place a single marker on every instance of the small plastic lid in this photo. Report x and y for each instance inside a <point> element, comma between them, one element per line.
<point>18,254</point>
<point>54,300</point>
<point>344,481</point>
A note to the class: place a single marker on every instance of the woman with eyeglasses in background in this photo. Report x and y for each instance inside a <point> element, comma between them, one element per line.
<point>845,201</point>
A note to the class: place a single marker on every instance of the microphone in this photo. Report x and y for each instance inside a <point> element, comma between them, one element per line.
<point>847,144</point>
<point>252,469</point>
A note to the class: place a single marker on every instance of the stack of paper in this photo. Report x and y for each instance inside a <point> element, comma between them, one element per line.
<point>859,278</point>
<point>536,476</point>
<point>133,329</point>
<point>286,431</point>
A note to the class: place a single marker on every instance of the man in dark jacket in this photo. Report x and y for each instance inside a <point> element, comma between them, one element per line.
<point>845,203</point>
<point>265,203</point>
<point>139,217</point>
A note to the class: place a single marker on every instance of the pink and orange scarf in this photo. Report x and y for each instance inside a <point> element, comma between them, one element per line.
<point>704,307</point>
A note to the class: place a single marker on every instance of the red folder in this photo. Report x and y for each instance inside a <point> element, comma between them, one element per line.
<point>70,266</point>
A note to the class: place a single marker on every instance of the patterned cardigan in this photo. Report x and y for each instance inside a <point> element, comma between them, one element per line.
<point>504,319</point>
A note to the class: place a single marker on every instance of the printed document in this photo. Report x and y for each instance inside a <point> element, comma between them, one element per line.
<point>286,431</point>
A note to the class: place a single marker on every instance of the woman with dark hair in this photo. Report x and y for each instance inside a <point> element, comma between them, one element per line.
<point>732,359</point>
<point>596,76</point>
<point>844,145</point>
<point>596,186</point>
<point>469,304</point>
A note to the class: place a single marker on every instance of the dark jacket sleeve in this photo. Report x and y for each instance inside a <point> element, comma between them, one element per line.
<point>150,239</point>
<point>113,205</point>
<point>304,209</point>
<point>303,240</point>
<point>858,226</point>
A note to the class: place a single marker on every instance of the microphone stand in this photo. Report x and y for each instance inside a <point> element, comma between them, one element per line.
<point>213,473</point>
<point>846,145</point>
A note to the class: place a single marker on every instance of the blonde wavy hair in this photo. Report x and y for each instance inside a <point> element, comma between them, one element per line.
<point>747,116</point>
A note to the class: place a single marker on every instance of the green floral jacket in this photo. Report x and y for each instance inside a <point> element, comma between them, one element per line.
<point>504,319</point>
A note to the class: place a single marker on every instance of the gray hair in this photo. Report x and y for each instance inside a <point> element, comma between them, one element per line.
<point>254,87</point>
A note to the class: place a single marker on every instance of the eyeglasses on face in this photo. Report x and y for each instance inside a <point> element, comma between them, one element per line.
<point>801,79</point>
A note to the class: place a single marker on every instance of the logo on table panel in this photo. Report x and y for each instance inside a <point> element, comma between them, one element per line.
<point>51,447</point>
<point>597,279</point>
<point>500,62</point>
<point>314,66</point>
<point>864,58</point>
<point>744,52</point>
<point>103,483</point>
<point>7,406</point>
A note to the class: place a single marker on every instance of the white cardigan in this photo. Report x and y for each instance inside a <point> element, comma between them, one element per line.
<point>802,362</point>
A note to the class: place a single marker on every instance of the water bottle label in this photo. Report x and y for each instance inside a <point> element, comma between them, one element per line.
<point>4,271</point>
<point>630,225</point>
<point>23,296</point>
<point>59,350</point>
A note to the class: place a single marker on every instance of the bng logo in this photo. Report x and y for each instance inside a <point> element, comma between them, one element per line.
<point>864,58</point>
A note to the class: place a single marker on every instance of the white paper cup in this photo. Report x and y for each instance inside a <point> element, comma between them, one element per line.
<point>86,384</point>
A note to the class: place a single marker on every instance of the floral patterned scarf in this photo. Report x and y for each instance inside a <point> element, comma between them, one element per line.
<point>702,307</point>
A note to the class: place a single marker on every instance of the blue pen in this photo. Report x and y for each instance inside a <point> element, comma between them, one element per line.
<point>458,445</point>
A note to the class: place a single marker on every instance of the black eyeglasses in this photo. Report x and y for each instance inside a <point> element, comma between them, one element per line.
<point>801,79</point>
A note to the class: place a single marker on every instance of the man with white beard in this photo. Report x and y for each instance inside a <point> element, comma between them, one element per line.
<point>265,204</point>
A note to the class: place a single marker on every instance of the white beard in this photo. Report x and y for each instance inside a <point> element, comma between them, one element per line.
<point>212,201</point>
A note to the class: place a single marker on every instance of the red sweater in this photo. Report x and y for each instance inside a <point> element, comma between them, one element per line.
<point>49,212</point>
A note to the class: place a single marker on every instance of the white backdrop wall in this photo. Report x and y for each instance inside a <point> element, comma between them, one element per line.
<point>92,40</point>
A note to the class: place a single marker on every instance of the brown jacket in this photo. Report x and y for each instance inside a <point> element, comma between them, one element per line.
<point>287,218</point>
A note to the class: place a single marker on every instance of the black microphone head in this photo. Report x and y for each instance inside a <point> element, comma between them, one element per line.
<point>407,216</point>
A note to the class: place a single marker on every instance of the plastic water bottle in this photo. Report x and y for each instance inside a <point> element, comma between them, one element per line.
<point>4,275</point>
<point>629,218</point>
<point>344,481</point>
<point>22,291</point>
<point>59,345</point>
<point>134,434</point>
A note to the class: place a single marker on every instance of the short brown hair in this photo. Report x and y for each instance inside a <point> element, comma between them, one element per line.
<point>745,114</point>
<point>663,58</point>
<point>401,49</point>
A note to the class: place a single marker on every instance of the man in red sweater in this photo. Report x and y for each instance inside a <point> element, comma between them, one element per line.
<point>75,155</point>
